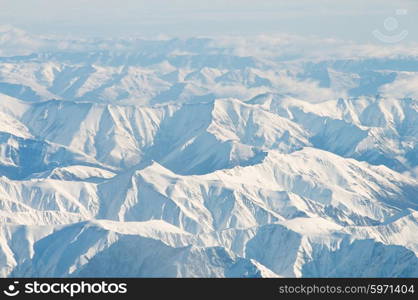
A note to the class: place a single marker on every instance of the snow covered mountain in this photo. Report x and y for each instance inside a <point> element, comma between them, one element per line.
<point>185,158</point>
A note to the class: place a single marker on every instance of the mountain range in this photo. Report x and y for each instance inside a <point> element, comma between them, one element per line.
<point>182,158</point>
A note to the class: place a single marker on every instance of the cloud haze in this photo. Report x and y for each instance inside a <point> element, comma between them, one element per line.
<point>353,20</point>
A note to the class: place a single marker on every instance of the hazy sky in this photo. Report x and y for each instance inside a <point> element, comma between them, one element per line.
<point>346,19</point>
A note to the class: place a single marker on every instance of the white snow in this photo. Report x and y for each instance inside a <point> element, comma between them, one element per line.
<point>186,160</point>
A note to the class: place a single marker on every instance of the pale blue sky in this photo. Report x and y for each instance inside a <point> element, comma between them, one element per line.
<point>346,19</point>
